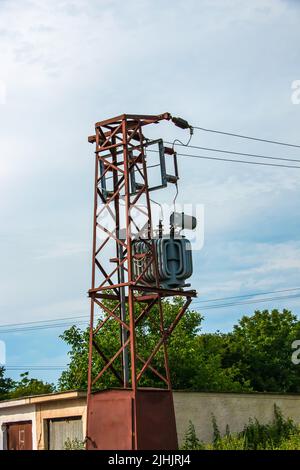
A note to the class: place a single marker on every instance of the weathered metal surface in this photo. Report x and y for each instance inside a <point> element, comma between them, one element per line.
<point>110,420</point>
<point>155,420</point>
<point>121,420</point>
<point>121,151</point>
<point>60,430</point>
<point>19,436</point>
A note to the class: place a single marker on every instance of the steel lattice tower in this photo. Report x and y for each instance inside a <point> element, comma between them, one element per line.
<point>116,290</point>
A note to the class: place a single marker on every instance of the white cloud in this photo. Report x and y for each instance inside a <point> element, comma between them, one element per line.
<point>238,200</point>
<point>249,268</point>
<point>66,64</point>
<point>274,257</point>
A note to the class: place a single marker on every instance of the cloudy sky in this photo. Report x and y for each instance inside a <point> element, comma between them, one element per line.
<point>225,64</point>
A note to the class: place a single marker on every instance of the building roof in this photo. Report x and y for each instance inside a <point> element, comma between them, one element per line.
<point>68,395</point>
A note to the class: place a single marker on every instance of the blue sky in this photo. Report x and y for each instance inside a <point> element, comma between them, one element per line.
<point>225,65</point>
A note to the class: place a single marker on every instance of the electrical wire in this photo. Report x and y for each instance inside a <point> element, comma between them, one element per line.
<point>197,301</point>
<point>41,321</point>
<point>239,153</point>
<point>246,302</point>
<point>42,327</point>
<point>175,197</point>
<point>181,143</point>
<point>277,142</point>
<point>249,295</point>
<point>205,157</point>
<point>205,307</point>
<point>28,368</point>
<point>231,160</point>
<point>160,208</point>
<point>153,166</point>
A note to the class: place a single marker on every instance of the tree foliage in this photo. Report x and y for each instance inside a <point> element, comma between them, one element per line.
<point>147,334</point>
<point>195,360</point>
<point>6,384</point>
<point>260,348</point>
<point>254,356</point>
<point>25,386</point>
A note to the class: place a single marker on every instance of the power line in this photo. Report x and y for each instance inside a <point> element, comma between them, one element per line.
<point>246,137</point>
<point>249,295</point>
<point>231,160</point>
<point>41,327</point>
<point>206,307</point>
<point>42,321</point>
<point>236,161</point>
<point>238,153</point>
<point>48,323</point>
<point>246,302</point>
<point>35,367</point>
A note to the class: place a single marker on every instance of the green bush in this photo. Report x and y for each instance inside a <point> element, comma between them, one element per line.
<point>191,441</point>
<point>281,434</point>
<point>231,442</point>
<point>74,444</point>
<point>268,436</point>
<point>292,443</point>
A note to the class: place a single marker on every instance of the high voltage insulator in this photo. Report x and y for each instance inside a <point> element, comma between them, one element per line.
<point>182,123</point>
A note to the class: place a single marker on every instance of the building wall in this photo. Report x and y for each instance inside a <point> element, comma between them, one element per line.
<point>15,413</point>
<point>57,409</point>
<point>229,408</point>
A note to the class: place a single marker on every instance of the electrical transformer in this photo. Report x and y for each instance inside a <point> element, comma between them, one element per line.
<point>174,262</point>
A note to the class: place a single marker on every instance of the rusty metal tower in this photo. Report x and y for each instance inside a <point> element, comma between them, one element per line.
<point>131,417</point>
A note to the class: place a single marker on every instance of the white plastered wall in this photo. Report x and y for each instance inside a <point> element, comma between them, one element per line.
<point>16,413</point>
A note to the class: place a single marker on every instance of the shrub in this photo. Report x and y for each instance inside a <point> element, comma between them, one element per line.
<point>281,434</point>
<point>74,444</point>
<point>263,436</point>
<point>231,442</point>
<point>191,441</point>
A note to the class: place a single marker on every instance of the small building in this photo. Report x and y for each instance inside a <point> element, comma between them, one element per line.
<point>43,421</point>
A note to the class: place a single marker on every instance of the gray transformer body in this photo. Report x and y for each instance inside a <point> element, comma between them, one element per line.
<point>174,262</point>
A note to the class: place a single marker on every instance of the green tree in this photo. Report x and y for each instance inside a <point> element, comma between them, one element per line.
<point>6,384</point>
<point>260,347</point>
<point>28,386</point>
<point>147,334</point>
<point>193,365</point>
<point>211,374</point>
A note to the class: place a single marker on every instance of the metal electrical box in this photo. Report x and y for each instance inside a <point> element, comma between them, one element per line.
<point>124,420</point>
